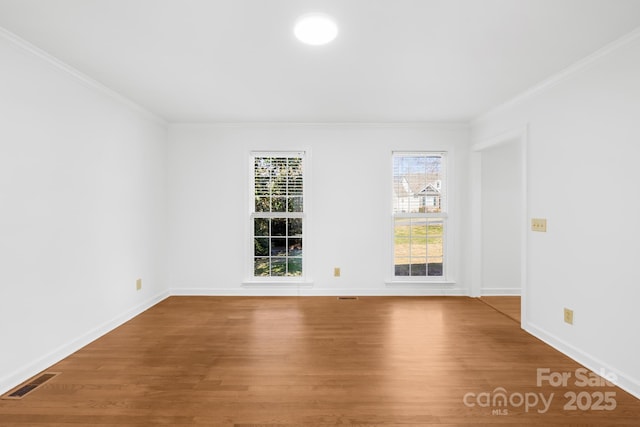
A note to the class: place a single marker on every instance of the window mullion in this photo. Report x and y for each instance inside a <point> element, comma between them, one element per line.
<point>277,215</point>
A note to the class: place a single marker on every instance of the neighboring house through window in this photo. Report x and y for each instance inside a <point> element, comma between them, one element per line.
<point>419,215</point>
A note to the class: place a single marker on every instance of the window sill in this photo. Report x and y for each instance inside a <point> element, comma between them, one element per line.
<point>277,284</point>
<point>418,282</point>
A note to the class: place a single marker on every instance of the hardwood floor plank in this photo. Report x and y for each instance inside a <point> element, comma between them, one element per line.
<point>240,361</point>
<point>508,305</point>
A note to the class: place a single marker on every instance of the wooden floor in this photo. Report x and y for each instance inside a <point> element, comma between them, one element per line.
<point>229,361</point>
<point>507,305</point>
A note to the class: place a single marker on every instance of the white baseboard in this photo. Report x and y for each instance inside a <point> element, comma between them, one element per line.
<point>485,292</point>
<point>248,291</point>
<point>623,380</point>
<point>309,291</point>
<point>35,367</point>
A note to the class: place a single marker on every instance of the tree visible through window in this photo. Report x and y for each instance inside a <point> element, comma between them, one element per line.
<point>278,214</point>
<point>419,214</point>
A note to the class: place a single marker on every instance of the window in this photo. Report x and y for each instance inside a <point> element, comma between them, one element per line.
<point>277,217</point>
<point>419,215</point>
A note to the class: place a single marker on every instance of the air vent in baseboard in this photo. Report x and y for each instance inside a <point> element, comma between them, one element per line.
<point>26,388</point>
<point>341,298</point>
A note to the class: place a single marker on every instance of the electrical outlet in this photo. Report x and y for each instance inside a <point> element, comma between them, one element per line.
<point>568,316</point>
<point>336,272</point>
<point>138,284</point>
<point>539,224</point>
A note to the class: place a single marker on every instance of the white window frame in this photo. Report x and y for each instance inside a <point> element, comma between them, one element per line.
<point>250,272</point>
<point>443,215</point>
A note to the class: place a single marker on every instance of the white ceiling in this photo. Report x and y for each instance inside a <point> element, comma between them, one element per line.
<point>393,61</point>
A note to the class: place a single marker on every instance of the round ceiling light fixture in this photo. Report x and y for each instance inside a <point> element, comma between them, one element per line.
<point>315,29</point>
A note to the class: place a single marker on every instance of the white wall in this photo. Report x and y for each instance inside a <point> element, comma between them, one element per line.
<point>501,192</point>
<point>349,204</point>
<point>82,195</point>
<point>583,175</point>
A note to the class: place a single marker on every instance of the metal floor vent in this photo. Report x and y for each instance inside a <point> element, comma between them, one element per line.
<point>29,386</point>
<point>341,298</point>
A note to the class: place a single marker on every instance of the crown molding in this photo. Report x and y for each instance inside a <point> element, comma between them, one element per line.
<point>78,75</point>
<point>559,77</point>
<point>329,125</point>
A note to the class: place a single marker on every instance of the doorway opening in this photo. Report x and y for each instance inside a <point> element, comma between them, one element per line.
<point>500,222</point>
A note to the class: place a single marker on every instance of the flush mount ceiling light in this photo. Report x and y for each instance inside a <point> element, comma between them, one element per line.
<point>315,29</point>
